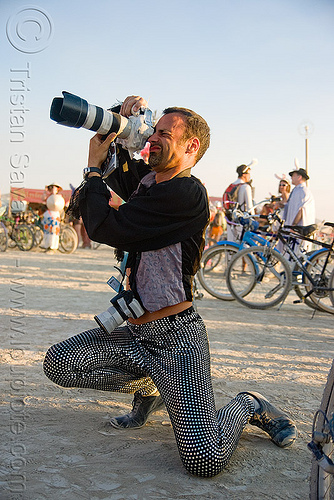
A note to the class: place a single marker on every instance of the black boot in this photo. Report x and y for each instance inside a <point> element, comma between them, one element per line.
<point>270,419</point>
<point>141,409</point>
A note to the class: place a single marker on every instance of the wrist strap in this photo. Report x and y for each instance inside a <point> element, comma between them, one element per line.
<point>87,171</point>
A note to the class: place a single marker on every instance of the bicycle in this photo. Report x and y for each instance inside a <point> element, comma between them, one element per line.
<point>20,234</point>
<point>269,275</point>
<point>33,219</point>
<point>3,237</point>
<point>215,260</point>
<point>68,238</point>
<point>3,232</point>
<point>322,445</point>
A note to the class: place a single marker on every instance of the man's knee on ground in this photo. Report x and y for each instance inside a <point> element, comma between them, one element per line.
<point>53,364</point>
<point>203,463</point>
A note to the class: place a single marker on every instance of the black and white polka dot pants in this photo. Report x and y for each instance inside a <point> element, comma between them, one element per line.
<point>171,355</point>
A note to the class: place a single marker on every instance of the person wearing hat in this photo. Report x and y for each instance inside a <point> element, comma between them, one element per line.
<point>51,218</point>
<point>244,199</point>
<point>50,188</point>
<point>300,208</point>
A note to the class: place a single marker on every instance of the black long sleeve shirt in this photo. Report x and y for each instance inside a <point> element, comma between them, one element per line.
<point>156,216</point>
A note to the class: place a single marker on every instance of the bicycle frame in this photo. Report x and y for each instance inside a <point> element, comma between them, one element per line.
<point>252,239</point>
<point>248,238</point>
<point>299,262</point>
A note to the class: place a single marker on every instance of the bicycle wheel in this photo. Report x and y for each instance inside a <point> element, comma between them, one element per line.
<point>68,240</point>
<point>23,237</point>
<point>3,237</point>
<point>267,274</point>
<point>322,482</point>
<point>320,298</point>
<point>38,235</point>
<point>331,286</point>
<point>300,287</point>
<point>212,273</point>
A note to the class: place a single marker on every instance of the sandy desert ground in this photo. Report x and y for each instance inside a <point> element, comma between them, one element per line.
<point>51,448</point>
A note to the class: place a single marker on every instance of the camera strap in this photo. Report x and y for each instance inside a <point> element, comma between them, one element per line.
<point>116,283</point>
<point>129,261</point>
<point>133,261</point>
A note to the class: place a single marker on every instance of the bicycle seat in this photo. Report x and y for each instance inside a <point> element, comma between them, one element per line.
<point>303,230</point>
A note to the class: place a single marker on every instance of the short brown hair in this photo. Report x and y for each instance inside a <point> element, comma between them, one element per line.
<point>196,126</point>
<point>243,169</point>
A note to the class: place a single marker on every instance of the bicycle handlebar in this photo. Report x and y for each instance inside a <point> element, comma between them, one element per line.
<point>245,217</point>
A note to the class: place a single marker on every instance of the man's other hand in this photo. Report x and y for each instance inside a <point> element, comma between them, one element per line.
<point>132,104</point>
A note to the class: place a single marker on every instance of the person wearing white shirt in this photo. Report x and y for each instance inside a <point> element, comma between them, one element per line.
<point>300,209</point>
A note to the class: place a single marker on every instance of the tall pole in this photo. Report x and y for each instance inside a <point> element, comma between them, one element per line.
<point>306,154</point>
<point>306,129</point>
<point>306,150</point>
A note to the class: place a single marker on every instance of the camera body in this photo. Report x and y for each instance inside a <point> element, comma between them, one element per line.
<point>73,111</point>
<point>124,306</point>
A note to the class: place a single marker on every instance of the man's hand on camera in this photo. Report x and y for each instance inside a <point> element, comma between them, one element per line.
<point>98,149</point>
<point>132,104</point>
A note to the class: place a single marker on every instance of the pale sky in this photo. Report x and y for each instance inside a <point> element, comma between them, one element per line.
<point>256,70</point>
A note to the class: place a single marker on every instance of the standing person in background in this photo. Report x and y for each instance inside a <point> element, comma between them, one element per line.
<point>300,208</point>
<point>217,225</point>
<point>80,229</point>
<point>51,219</point>
<point>82,233</point>
<point>243,194</point>
<point>284,188</point>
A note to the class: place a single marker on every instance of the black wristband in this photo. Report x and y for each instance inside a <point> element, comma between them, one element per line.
<point>88,170</point>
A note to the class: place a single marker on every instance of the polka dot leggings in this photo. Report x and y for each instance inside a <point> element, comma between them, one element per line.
<point>171,355</point>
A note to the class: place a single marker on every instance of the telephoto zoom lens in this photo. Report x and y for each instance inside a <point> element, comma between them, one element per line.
<point>109,319</point>
<point>124,306</point>
<point>72,111</point>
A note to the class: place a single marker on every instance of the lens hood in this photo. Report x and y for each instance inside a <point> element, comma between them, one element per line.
<point>69,110</point>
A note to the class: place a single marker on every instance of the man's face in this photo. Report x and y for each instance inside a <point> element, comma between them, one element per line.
<point>296,179</point>
<point>167,148</point>
<point>246,177</point>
